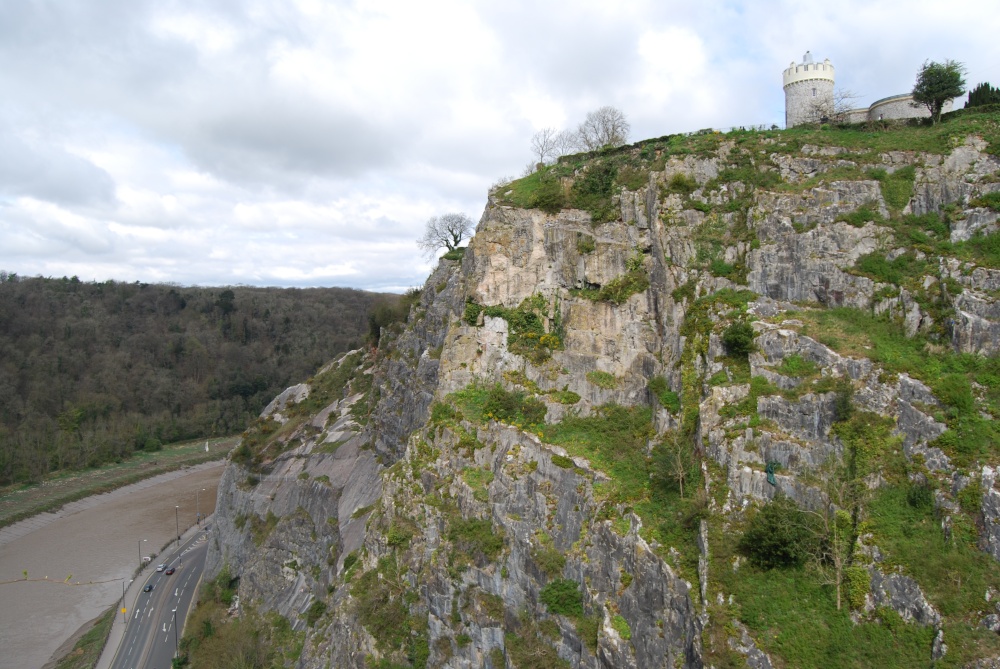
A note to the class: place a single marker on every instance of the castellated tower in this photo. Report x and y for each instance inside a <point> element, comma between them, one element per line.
<point>808,91</point>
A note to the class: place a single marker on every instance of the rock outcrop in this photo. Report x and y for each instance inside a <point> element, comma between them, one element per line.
<point>532,469</point>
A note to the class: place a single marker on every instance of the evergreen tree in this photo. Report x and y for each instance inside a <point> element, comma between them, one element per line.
<point>983,94</point>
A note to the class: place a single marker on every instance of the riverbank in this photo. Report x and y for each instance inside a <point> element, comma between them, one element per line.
<point>22,501</point>
<point>60,570</point>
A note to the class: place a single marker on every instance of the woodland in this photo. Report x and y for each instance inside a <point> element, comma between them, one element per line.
<point>90,373</point>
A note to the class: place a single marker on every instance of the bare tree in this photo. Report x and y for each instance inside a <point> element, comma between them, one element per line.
<point>604,127</point>
<point>543,144</point>
<point>672,460</point>
<point>566,142</point>
<point>832,110</point>
<point>445,231</point>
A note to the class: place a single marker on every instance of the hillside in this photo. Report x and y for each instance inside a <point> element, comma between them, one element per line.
<point>714,400</point>
<point>92,372</point>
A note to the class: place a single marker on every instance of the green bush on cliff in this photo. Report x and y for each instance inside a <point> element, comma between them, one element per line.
<point>562,596</point>
<point>779,535</point>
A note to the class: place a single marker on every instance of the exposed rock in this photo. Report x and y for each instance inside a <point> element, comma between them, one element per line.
<point>755,657</point>
<point>990,536</point>
<point>903,595</point>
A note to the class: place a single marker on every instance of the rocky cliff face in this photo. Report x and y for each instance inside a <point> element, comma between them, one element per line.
<point>552,463</point>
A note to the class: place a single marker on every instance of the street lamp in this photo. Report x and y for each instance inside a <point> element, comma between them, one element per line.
<point>177,522</point>
<point>197,503</point>
<point>176,643</point>
<point>123,598</point>
<point>140,552</point>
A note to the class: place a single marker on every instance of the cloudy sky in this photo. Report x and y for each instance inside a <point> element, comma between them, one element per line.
<point>307,142</point>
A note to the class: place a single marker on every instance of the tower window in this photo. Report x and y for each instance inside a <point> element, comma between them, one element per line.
<point>814,92</point>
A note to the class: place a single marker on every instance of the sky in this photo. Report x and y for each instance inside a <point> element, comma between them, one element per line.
<point>306,143</point>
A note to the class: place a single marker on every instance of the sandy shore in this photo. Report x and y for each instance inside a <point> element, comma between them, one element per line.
<point>95,542</point>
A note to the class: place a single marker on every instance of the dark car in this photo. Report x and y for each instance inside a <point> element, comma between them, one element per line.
<point>148,588</point>
<point>170,571</point>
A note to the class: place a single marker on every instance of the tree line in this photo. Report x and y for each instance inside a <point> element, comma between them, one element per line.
<point>92,372</point>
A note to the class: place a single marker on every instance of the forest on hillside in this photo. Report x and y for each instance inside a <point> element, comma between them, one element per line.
<point>92,372</point>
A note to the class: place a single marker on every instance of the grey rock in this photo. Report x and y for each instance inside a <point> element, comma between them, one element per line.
<point>903,595</point>
<point>990,536</point>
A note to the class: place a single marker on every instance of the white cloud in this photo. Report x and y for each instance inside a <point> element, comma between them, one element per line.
<point>306,143</point>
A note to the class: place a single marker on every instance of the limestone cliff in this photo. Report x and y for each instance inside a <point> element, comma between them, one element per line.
<point>562,457</point>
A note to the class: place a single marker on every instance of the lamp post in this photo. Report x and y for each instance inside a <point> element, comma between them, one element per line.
<point>177,522</point>
<point>123,601</point>
<point>176,643</point>
<point>140,552</point>
<point>197,504</point>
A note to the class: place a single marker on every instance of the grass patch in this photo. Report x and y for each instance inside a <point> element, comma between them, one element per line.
<point>604,380</point>
<point>87,650</point>
<point>953,574</point>
<point>970,437</point>
<point>863,215</point>
<point>20,501</point>
<point>897,186</point>
<point>479,480</point>
<point>900,271</point>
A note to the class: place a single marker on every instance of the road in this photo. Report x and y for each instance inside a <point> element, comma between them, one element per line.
<point>157,619</point>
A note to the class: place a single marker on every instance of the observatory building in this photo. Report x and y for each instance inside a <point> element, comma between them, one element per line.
<point>809,98</point>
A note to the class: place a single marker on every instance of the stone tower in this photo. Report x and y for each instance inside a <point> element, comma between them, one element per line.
<point>808,91</point>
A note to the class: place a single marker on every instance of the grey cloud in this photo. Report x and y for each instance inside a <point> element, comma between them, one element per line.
<point>266,140</point>
<point>50,173</point>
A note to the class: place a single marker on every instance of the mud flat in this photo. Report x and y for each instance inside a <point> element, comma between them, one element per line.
<point>95,542</point>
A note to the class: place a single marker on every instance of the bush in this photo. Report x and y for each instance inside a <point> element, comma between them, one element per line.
<point>315,612</point>
<point>661,391</point>
<point>513,407</point>
<point>562,596</point>
<point>779,535</point>
<point>549,197</point>
<point>621,626</point>
<point>738,339</point>
<point>682,184</point>
<point>476,538</point>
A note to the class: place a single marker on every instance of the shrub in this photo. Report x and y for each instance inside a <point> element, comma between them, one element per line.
<point>778,535</point>
<point>562,596</point>
<point>682,183</point>
<point>858,582</point>
<point>661,391</point>
<point>549,559</point>
<point>476,538</point>
<point>315,612</point>
<point>563,461</point>
<point>621,626</point>
<point>513,407</point>
<point>738,339</point>
<point>549,196</point>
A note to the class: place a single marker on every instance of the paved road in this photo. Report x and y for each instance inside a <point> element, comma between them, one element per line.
<point>157,619</point>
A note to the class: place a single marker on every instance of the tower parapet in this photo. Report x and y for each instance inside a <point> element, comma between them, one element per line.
<point>808,90</point>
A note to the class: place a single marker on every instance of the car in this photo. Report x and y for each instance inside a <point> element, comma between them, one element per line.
<point>148,588</point>
<point>170,571</point>
<point>161,567</point>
